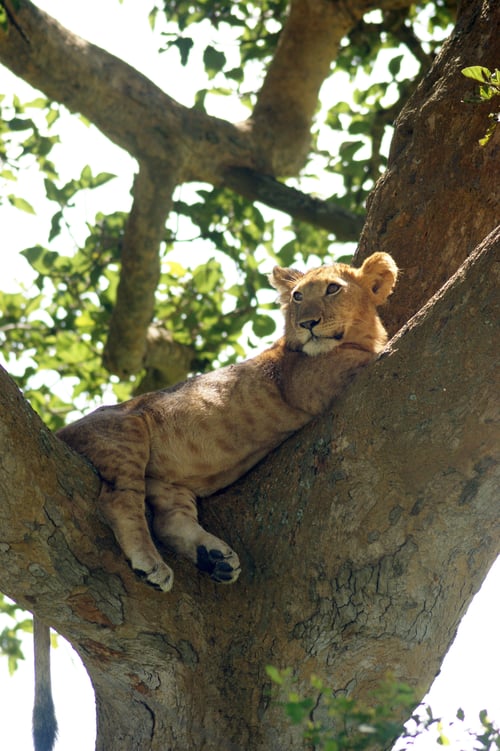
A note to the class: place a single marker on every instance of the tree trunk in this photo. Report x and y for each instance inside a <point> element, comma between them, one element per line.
<point>363,539</point>
<point>439,196</point>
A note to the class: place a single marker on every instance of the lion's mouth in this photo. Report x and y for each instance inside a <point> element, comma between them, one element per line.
<point>338,336</point>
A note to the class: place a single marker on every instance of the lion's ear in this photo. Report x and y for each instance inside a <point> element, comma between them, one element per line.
<point>284,280</point>
<point>379,273</point>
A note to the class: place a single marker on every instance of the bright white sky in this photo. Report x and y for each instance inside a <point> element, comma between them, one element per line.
<point>470,673</point>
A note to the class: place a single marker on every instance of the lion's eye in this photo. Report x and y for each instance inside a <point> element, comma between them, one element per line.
<point>297,296</point>
<point>333,288</point>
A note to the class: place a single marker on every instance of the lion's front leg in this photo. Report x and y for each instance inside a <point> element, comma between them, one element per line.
<point>175,523</point>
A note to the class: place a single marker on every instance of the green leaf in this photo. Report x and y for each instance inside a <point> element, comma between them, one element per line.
<point>86,177</point>
<point>55,225</point>
<point>263,326</point>
<point>443,740</point>
<point>38,103</point>
<point>275,675</point>
<point>52,116</point>
<point>18,123</point>
<point>102,178</point>
<point>486,92</point>
<point>184,45</point>
<point>298,711</point>
<point>152,18</point>
<point>52,191</point>
<point>490,130</point>
<point>477,73</point>
<point>41,259</point>
<point>88,180</point>
<point>286,253</point>
<point>199,99</point>
<point>395,65</point>
<point>207,276</point>
<point>347,149</point>
<point>483,716</point>
<point>21,203</point>
<point>213,61</point>
<point>176,269</point>
<point>235,74</point>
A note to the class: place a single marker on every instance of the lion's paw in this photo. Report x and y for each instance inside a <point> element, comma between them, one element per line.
<point>223,566</point>
<point>160,577</point>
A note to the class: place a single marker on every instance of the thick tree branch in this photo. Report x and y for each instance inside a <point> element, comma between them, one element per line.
<point>286,103</point>
<point>127,107</point>
<point>172,144</point>
<point>388,526</point>
<point>256,187</point>
<point>135,300</point>
<point>392,515</point>
<point>308,44</point>
<point>148,124</point>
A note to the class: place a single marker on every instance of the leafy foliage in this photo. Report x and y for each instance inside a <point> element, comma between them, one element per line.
<point>57,326</point>
<point>489,87</point>
<point>257,26</point>
<point>10,641</point>
<point>23,140</point>
<point>347,724</point>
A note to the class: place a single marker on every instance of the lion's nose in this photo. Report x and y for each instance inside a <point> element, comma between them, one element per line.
<point>310,324</point>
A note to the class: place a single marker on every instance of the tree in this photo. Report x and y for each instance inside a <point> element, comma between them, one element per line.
<point>363,538</point>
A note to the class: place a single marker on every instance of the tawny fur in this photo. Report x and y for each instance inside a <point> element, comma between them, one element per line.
<point>168,447</point>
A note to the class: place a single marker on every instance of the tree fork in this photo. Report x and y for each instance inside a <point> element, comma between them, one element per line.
<point>366,566</point>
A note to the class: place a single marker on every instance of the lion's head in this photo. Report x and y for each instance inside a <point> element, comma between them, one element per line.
<point>335,305</point>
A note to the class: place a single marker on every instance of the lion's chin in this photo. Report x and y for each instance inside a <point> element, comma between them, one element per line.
<point>319,345</point>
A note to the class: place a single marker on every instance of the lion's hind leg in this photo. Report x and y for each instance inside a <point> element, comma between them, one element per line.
<point>175,523</point>
<point>124,509</point>
<point>118,445</point>
<point>121,461</point>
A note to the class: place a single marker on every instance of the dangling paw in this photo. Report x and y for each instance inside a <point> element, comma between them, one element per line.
<point>222,565</point>
<point>160,577</point>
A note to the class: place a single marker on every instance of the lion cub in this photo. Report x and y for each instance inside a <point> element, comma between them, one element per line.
<point>169,447</point>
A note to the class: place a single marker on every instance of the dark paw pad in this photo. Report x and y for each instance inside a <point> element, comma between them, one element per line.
<point>221,568</point>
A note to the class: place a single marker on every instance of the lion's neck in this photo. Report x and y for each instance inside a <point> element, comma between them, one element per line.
<point>354,345</point>
<point>310,383</point>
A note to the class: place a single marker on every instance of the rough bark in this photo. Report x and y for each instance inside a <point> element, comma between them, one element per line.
<point>439,196</point>
<point>362,539</point>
